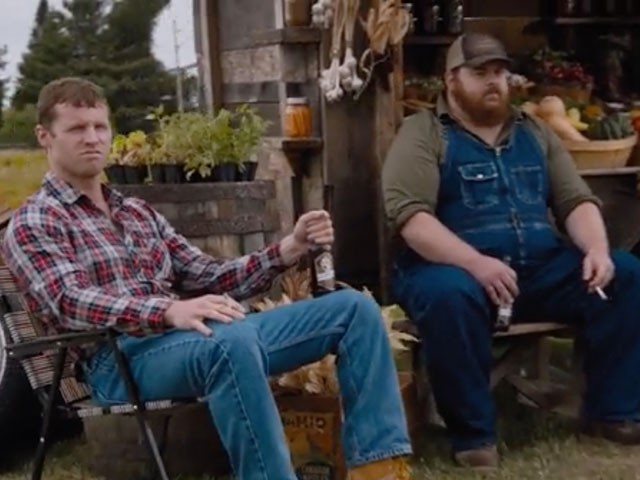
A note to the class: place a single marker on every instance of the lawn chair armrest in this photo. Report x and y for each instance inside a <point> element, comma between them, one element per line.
<point>53,342</point>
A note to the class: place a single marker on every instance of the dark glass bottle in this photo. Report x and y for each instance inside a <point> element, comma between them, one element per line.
<point>505,311</point>
<point>323,276</point>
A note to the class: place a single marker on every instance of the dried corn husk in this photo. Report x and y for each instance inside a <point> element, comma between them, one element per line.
<point>390,315</point>
<point>296,284</point>
<point>320,378</point>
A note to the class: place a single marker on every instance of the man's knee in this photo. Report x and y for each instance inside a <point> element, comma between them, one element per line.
<point>237,337</point>
<point>627,269</point>
<point>448,286</point>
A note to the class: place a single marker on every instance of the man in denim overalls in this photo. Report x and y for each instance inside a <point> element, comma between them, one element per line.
<point>468,188</point>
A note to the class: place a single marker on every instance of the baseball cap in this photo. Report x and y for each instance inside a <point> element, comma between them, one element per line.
<point>475,49</point>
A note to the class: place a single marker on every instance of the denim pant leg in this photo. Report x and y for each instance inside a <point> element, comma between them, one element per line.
<point>348,324</point>
<point>453,316</point>
<point>610,329</point>
<point>229,369</point>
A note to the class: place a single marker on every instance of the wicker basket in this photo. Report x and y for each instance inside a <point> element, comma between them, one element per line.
<point>601,153</point>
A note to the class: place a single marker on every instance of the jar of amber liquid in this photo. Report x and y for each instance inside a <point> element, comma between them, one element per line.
<point>297,118</point>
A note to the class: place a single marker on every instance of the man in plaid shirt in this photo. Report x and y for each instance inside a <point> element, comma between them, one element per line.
<point>87,257</point>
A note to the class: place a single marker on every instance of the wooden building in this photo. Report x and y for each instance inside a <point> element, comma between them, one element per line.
<point>248,55</point>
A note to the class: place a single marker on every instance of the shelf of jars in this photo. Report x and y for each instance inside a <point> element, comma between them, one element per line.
<point>584,12</point>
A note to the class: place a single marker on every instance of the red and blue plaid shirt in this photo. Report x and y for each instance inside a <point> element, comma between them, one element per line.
<point>79,269</point>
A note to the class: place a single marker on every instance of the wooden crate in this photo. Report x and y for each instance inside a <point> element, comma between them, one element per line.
<point>312,426</point>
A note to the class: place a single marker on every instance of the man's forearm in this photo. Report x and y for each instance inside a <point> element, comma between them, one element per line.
<point>291,251</point>
<point>586,228</point>
<point>425,234</point>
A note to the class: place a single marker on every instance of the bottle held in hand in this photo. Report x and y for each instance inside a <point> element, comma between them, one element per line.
<point>323,276</point>
<point>505,311</point>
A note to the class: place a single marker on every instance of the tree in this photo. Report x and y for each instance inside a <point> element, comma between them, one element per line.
<point>107,41</point>
<point>3,81</point>
<point>41,14</point>
<point>48,57</point>
<point>138,79</point>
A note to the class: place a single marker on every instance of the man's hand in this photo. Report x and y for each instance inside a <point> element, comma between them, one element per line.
<point>312,228</point>
<point>498,279</point>
<point>191,314</point>
<point>597,269</point>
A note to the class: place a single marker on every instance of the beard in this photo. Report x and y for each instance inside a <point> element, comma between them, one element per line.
<point>480,111</point>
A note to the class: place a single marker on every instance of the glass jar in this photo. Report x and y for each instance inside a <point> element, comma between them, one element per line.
<point>586,8</point>
<point>609,8</point>
<point>297,13</point>
<point>431,16</point>
<point>455,16</point>
<point>567,8</point>
<point>297,117</point>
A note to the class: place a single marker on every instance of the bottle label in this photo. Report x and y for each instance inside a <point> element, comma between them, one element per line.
<point>324,268</point>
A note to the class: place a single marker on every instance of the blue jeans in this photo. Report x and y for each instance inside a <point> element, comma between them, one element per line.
<point>231,367</point>
<point>454,317</point>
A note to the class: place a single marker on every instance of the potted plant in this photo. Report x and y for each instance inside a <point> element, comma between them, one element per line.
<point>165,168</point>
<point>185,146</point>
<point>248,132</point>
<point>136,156</point>
<point>114,169</point>
<point>223,137</point>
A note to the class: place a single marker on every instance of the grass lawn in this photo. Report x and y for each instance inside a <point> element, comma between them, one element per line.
<point>21,172</point>
<point>533,446</point>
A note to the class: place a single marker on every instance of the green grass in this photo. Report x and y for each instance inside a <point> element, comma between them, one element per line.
<point>21,172</point>
<point>534,446</point>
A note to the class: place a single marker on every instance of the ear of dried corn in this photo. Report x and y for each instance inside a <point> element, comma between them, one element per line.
<point>320,378</point>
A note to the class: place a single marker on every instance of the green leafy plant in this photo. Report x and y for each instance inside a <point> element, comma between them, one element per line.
<point>248,133</point>
<point>132,150</point>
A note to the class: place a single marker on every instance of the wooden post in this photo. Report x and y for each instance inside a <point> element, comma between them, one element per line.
<point>388,118</point>
<point>212,41</point>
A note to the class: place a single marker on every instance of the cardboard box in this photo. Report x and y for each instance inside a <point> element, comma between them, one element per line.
<point>312,426</point>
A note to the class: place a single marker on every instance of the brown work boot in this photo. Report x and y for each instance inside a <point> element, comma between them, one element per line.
<point>624,433</point>
<point>482,459</point>
<point>388,469</point>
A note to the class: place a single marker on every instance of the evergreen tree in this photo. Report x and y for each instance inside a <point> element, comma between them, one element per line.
<point>3,81</point>
<point>106,41</point>
<point>139,79</point>
<point>48,57</point>
<point>41,14</point>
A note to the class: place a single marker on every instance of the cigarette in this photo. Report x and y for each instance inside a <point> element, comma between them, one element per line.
<point>601,293</point>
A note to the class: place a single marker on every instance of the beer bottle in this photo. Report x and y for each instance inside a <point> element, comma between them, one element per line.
<point>323,275</point>
<point>505,311</point>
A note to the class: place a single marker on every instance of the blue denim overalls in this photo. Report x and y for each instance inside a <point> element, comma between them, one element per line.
<point>496,199</point>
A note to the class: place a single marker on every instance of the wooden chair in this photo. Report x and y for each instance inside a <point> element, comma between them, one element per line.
<point>519,343</point>
<point>47,366</point>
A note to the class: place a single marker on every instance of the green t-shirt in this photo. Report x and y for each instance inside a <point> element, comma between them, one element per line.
<point>411,173</point>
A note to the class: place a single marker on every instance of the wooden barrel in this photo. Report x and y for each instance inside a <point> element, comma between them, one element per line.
<point>224,220</point>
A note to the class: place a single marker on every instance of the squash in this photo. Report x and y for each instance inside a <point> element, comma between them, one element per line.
<point>551,106</point>
<point>563,128</point>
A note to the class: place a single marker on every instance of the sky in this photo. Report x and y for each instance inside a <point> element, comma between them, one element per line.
<point>17,16</point>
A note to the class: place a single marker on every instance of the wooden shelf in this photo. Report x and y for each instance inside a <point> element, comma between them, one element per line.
<point>595,20</point>
<point>296,145</point>
<point>426,39</point>
<point>595,172</point>
<point>288,35</point>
